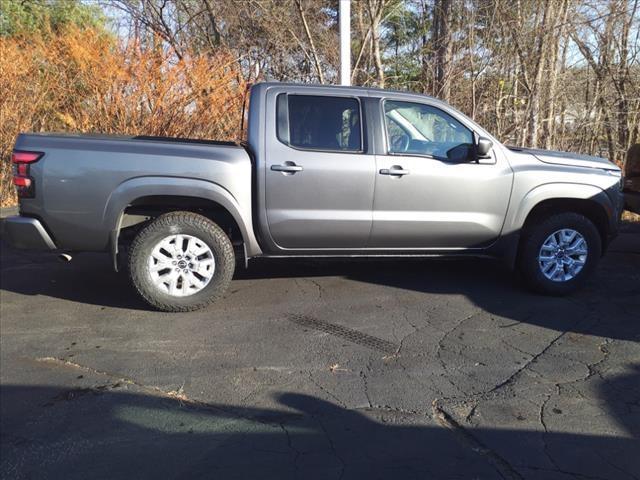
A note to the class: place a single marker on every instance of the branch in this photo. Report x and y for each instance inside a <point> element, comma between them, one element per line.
<point>314,52</point>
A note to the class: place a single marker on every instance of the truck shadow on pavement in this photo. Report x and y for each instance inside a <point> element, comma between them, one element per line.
<point>605,307</point>
<point>110,431</point>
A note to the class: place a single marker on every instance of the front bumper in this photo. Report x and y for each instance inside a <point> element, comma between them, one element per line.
<point>27,233</point>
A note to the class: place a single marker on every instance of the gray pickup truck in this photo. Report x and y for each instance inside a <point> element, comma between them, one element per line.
<point>326,172</point>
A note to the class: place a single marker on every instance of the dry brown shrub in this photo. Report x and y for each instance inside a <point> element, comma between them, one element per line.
<point>85,81</point>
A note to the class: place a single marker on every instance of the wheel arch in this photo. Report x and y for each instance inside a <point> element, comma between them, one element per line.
<point>588,200</point>
<point>141,199</point>
<point>591,209</point>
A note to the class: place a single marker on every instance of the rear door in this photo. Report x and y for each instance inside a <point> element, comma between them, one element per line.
<point>429,193</point>
<point>319,179</point>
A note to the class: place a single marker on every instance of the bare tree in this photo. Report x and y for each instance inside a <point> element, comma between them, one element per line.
<point>557,73</point>
<point>442,45</point>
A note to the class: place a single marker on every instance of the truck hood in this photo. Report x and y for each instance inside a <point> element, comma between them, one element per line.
<point>567,158</point>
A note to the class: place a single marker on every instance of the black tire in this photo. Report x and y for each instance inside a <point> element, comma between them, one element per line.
<point>187,223</point>
<point>532,240</point>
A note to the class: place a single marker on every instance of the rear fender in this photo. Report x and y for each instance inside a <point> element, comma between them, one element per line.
<point>139,187</point>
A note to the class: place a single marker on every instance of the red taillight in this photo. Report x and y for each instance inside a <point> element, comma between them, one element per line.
<point>22,182</point>
<point>25,157</point>
<point>21,179</point>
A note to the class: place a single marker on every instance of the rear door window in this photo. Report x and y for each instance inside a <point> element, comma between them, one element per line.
<point>324,123</point>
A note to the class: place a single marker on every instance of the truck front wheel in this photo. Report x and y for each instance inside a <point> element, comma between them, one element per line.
<point>180,262</point>
<point>558,254</point>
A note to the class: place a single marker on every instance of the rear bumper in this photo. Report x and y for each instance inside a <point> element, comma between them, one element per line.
<point>27,233</point>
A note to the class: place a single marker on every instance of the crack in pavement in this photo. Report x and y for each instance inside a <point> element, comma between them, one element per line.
<point>332,447</point>
<point>176,395</point>
<point>119,378</point>
<point>517,349</point>
<point>296,452</point>
<point>501,464</point>
<point>545,445</point>
<point>466,438</point>
<point>416,329</point>
<point>318,286</point>
<point>304,291</point>
<point>325,390</point>
<point>449,332</point>
<point>365,383</point>
<point>511,378</point>
<point>390,409</point>
<point>615,467</point>
<point>592,370</point>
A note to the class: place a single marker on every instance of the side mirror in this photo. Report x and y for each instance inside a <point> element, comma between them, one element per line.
<point>483,147</point>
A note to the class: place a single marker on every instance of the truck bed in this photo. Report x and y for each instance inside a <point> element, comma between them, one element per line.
<point>83,182</point>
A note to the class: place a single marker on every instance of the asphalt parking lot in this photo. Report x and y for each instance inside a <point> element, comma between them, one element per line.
<point>373,369</point>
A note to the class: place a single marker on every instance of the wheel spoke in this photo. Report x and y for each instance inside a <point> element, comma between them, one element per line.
<point>158,267</point>
<point>167,246</point>
<point>568,236</point>
<point>191,243</point>
<point>173,284</point>
<point>205,268</point>
<point>158,255</point>
<point>563,255</point>
<point>572,236</point>
<point>186,282</point>
<point>194,280</point>
<point>200,250</point>
<point>181,265</point>
<point>578,247</point>
<point>181,245</point>
<point>572,268</point>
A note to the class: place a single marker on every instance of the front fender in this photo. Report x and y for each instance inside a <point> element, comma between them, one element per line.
<point>135,188</point>
<point>549,191</point>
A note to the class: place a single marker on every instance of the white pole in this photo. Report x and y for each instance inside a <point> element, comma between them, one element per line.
<point>345,42</point>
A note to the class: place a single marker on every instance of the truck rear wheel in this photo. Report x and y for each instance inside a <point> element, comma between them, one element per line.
<point>559,253</point>
<point>181,262</point>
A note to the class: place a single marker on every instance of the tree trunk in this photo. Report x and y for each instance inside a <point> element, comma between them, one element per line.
<point>550,103</point>
<point>314,52</point>
<point>442,46</point>
<point>376,8</point>
<point>533,127</point>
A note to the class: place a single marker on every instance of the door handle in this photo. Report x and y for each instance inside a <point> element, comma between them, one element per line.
<point>287,168</point>
<point>395,170</point>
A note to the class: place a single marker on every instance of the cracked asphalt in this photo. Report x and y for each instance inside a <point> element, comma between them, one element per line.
<point>372,369</point>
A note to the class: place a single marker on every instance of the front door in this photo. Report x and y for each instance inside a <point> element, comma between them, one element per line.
<point>428,193</point>
<point>319,181</point>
